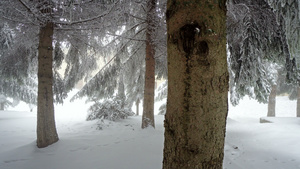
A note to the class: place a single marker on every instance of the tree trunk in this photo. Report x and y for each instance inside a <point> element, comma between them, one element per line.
<point>137,107</point>
<point>121,92</point>
<point>46,130</point>
<point>298,102</point>
<point>2,106</point>
<point>272,102</point>
<point>197,103</point>
<point>148,111</point>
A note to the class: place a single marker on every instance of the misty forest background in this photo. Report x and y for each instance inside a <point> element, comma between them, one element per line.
<point>113,53</point>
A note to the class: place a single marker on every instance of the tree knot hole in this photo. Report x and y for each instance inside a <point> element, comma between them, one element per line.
<point>202,49</point>
<point>187,36</point>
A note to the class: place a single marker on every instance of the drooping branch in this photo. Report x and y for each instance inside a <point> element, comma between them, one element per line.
<point>254,38</point>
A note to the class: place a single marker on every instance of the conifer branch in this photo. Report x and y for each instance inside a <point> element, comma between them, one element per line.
<point>142,19</point>
<point>129,38</point>
<point>88,19</point>
<point>17,21</point>
<point>30,11</point>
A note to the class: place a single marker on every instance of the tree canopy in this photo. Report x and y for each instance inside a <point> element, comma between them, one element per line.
<point>256,38</point>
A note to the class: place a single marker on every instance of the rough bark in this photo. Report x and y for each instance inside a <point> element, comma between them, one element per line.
<point>148,108</point>
<point>137,107</point>
<point>272,102</point>
<point>46,130</point>
<point>197,103</point>
<point>298,102</point>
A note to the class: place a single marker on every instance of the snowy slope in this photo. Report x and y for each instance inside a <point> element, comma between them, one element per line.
<point>123,145</point>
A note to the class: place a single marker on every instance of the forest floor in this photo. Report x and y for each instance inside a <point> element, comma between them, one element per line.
<point>124,145</point>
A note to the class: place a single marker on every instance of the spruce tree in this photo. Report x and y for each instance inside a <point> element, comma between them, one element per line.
<point>197,84</point>
<point>252,51</point>
<point>18,72</point>
<point>287,13</point>
<point>129,55</point>
<point>148,107</point>
<point>54,20</point>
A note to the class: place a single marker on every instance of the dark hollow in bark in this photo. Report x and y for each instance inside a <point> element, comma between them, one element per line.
<point>197,105</point>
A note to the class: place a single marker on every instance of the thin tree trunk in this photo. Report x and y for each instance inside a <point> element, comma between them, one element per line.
<point>2,106</point>
<point>121,92</point>
<point>148,111</point>
<point>272,102</point>
<point>46,130</point>
<point>137,107</point>
<point>197,85</point>
<point>298,102</point>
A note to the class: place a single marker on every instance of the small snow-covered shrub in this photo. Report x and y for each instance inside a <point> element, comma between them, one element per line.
<point>110,109</point>
<point>4,102</point>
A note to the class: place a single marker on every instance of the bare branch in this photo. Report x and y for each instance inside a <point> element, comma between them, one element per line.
<point>29,10</point>
<point>88,19</point>
<point>137,17</point>
<point>143,40</point>
<point>77,29</point>
<point>18,21</point>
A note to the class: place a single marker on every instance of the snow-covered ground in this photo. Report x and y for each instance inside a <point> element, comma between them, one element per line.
<point>254,145</point>
<point>123,145</point>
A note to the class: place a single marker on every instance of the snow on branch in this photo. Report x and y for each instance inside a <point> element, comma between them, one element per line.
<point>102,85</point>
<point>91,18</point>
<point>254,38</point>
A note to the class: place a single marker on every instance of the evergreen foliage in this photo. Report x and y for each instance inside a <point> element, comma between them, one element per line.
<point>102,85</point>
<point>162,93</point>
<point>56,21</point>
<point>128,44</point>
<point>254,39</point>
<point>125,42</point>
<point>4,102</point>
<point>162,109</point>
<point>77,27</point>
<point>113,108</point>
<point>288,14</point>
<point>109,109</point>
<point>18,80</point>
<point>58,82</point>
